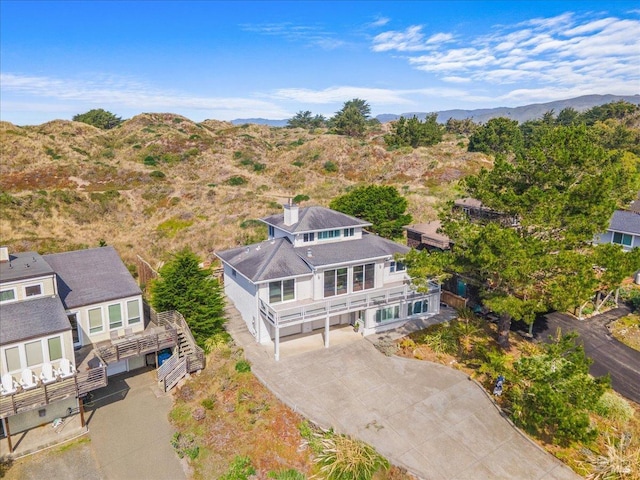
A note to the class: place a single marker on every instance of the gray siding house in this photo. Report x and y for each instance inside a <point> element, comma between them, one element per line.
<point>320,268</point>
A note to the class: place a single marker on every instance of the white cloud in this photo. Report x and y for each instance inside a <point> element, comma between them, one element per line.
<point>379,22</point>
<point>410,40</point>
<point>440,38</point>
<point>312,34</point>
<point>341,94</point>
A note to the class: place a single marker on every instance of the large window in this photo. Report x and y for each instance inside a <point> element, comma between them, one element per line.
<point>335,282</point>
<point>12,355</point>
<point>33,351</point>
<point>55,348</point>
<point>281,291</point>
<point>328,234</point>
<point>33,290</point>
<point>388,314</point>
<point>349,232</point>
<point>622,239</point>
<point>7,295</point>
<point>308,237</point>
<point>133,311</point>
<point>416,308</point>
<point>364,277</point>
<point>95,320</point>
<point>115,316</point>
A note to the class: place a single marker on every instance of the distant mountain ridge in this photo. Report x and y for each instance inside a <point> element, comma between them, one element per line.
<point>482,115</point>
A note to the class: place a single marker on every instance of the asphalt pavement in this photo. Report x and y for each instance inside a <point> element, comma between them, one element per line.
<point>608,354</point>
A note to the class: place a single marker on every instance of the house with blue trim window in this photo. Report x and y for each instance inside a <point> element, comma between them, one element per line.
<point>319,269</point>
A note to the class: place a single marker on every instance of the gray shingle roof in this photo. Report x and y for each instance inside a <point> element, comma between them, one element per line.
<point>312,219</point>
<point>32,318</point>
<point>274,259</point>
<point>24,265</point>
<point>369,247</point>
<point>266,260</point>
<point>625,222</point>
<point>91,276</point>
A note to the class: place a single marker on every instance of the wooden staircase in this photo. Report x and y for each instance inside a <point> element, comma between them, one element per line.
<point>188,357</point>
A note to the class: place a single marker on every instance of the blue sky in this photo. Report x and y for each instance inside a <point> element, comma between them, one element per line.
<point>233,59</point>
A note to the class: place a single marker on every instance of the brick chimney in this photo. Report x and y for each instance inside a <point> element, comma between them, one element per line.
<point>290,213</point>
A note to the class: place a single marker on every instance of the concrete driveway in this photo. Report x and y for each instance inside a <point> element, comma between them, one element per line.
<point>130,430</point>
<point>430,419</point>
<point>608,354</point>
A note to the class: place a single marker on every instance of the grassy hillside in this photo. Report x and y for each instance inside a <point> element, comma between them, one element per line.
<point>159,182</point>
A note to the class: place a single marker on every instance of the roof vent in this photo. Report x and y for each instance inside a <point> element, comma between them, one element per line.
<point>309,253</point>
<point>4,254</point>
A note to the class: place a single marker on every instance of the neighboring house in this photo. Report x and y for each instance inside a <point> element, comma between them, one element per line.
<point>423,236</point>
<point>478,212</point>
<point>320,268</point>
<point>624,230</point>
<point>67,321</point>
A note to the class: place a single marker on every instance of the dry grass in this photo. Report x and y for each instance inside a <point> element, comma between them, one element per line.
<point>49,172</point>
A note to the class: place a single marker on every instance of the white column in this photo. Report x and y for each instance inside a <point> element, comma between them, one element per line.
<point>277,343</point>
<point>326,332</point>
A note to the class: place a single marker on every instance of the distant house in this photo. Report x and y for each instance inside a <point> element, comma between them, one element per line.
<point>624,230</point>
<point>67,322</point>
<point>427,236</point>
<point>320,268</point>
<point>479,212</point>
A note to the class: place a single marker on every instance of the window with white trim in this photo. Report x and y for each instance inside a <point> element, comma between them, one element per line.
<point>388,314</point>
<point>308,237</point>
<point>115,316</point>
<point>7,295</point>
<point>33,290</point>
<point>397,267</point>
<point>416,308</point>
<point>55,348</point>
<point>281,290</point>
<point>335,282</point>
<point>364,277</point>
<point>12,356</point>
<point>95,320</point>
<point>623,239</point>
<point>33,351</point>
<point>327,234</point>
<point>348,232</point>
<point>133,311</point>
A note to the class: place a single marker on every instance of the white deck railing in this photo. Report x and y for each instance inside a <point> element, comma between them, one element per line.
<point>282,315</point>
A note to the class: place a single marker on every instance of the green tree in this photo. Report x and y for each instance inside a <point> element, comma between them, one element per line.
<point>98,118</point>
<point>553,393</point>
<point>497,136</point>
<point>380,205</point>
<point>306,120</point>
<point>352,119</point>
<point>567,116</point>
<point>189,289</point>
<point>464,126</point>
<point>414,132</point>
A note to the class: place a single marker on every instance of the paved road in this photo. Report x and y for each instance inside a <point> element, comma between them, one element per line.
<point>428,418</point>
<point>608,354</point>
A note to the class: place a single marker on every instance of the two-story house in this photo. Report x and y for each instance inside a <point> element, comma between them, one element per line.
<point>320,268</point>
<point>67,321</point>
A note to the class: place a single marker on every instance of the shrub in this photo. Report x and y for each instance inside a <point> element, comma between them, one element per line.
<point>236,181</point>
<point>345,458</point>
<point>300,198</point>
<point>614,407</point>
<point>240,469</point>
<point>243,366</point>
<point>208,403</point>
<point>157,174</point>
<point>150,161</point>
<point>185,445</point>
<point>330,166</point>
<point>290,474</point>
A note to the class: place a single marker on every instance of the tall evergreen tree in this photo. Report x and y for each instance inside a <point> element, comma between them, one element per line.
<point>189,289</point>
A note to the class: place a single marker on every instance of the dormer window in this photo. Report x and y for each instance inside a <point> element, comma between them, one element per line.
<point>33,290</point>
<point>308,237</point>
<point>7,295</point>
<point>348,232</point>
<point>328,234</point>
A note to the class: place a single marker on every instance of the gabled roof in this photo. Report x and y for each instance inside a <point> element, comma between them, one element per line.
<point>311,219</point>
<point>86,277</point>
<point>625,222</point>
<point>24,265</point>
<point>266,260</point>
<point>31,319</point>
<point>276,259</point>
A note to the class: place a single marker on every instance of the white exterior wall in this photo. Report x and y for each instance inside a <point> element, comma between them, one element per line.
<point>67,352</point>
<point>84,332</point>
<point>47,285</point>
<point>24,421</point>
<point>243,294</point>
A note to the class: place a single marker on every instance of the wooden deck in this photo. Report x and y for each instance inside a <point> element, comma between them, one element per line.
<point>151,340</point>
